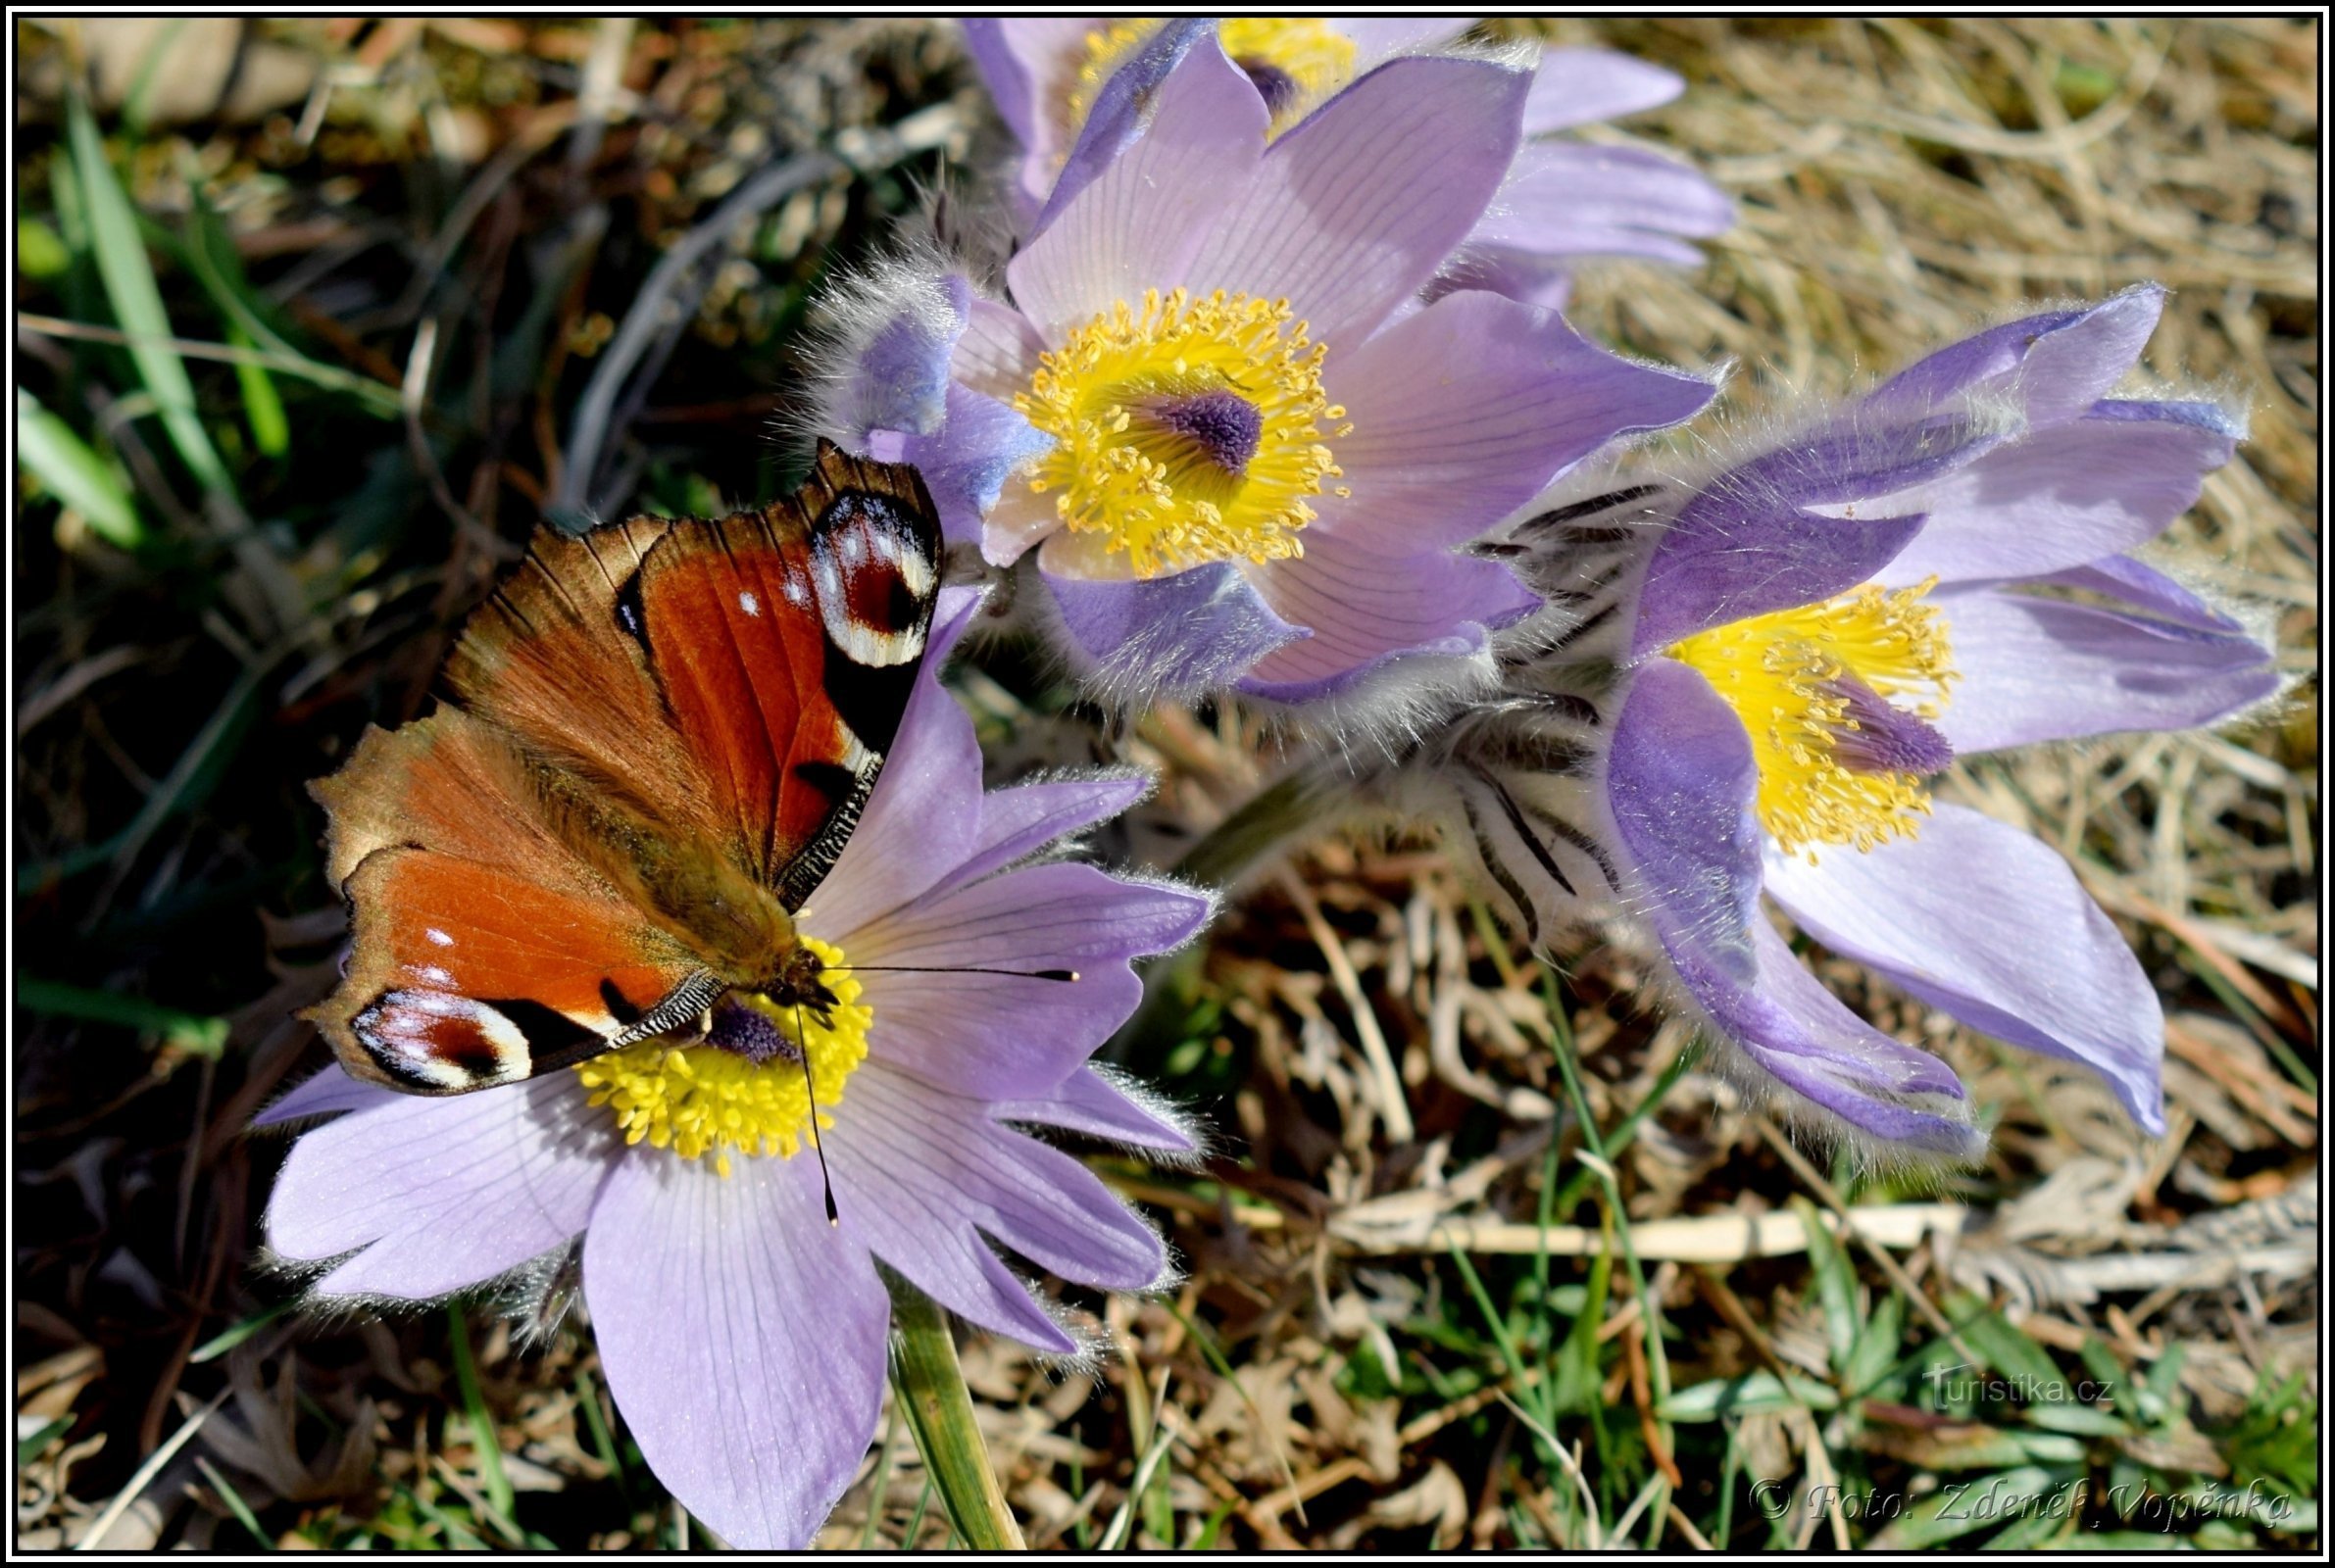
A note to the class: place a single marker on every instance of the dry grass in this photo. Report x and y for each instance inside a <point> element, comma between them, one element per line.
<point>1397,1268</point>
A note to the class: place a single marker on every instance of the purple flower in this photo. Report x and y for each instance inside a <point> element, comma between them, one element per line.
<point>1239,447</point>
<point>743,1338</point>
<point>1054,76</point>
<point>1807,636</point>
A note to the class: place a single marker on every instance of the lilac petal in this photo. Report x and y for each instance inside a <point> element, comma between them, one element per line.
<point>924,1172</point>
<point>2145,589</point>
<point>966,461</point>
<point>1466,411</point>
<point>2067,495</point>
<point>897,368</point>
<point>1122,112</point>
<point>1132,222</point>
<point>2042,669</point>
<point>1022,821</point>
<point>925,814</point>
<point>1024,62</point>
<point>1568,199</point>
<point>997,353</point>
<point>1543,281</point>
<point>743,1338</point>
<point>1574,86</point>
<point>441,1194</point>
<point>1748,546</point>
<point>324,1094</point>
<point>1976,917</point>
<point>1680,781</point>
<point>1366,609</point>
<point>1376,38</point>
<point>1184,633</point>
<point>996,1036</point>
<point>1094,1101</point>
<point>1355,209</point>
<point>2057,364</point>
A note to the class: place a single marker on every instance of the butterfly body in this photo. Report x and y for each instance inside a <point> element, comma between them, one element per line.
<point>659,737</point>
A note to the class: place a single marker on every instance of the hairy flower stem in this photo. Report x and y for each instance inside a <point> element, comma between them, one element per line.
<point>1307,799</point>
<point>930,1385</point>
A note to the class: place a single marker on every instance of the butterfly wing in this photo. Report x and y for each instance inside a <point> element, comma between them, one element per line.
<point>786,643</point>
<point>655,717</point>
<point>487,949</point>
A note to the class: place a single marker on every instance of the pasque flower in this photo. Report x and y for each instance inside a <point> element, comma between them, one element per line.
<point>742,1336</point>
<point>1744,683</point>
<point>1217,411</point>
<point>1563,200</point>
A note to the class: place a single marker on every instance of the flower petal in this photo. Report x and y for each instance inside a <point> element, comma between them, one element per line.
<point>1366,609</point>
<point>924,1172</point>
<point>897,347</point>
<point>324,1094</point>
<point>1680,781</point>
<point>1976,918</point>
<point>1571,199</point>
<point>1466,411</point>
<point>742,1338</point>
<point>1022,62</point>
<point>1137,218</point>
<point>2055,365</point>
<point>1000,1036</point>
<point>925,814</point>
<point>997,353</point>
<point>1095,1102</point>
<point>441,1194</point>
<point>1027,818</point>
<point>1375,37</point>
<point>2067,495</point>
<point>1749,543</point>
<point>1181,634</point>
<point>2042,669</point>
<point>1355,209</point>
<point>1574,86</point>
<point>968,460</point>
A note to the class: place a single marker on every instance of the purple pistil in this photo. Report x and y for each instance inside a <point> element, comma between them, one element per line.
<point>1886,738</point>
<point>747,1032</point>
<point>1223,427</point>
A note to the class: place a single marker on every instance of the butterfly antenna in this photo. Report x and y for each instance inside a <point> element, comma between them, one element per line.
<point>1065,976</point>
<point>827,1182</point>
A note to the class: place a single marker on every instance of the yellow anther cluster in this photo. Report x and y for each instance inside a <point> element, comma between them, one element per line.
<point>1779,673</point>
<point>1316,59</point>
<point>1120,470</point>
<point>700,1100</point>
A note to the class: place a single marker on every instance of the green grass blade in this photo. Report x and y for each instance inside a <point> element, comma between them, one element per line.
<point>235,1503</point>
<point>263,404</point>
<point>188,1031</point>
<point>28,1447</point>
<point>482,1422</point>
<point>70,468</point>
<point>136,298</point>
<point>211,1350</point>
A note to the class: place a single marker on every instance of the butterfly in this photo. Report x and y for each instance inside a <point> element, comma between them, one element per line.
<point>658,737</point>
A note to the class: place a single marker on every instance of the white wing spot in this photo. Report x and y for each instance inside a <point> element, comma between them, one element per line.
<point>438,937</point>
<point>749,603</point>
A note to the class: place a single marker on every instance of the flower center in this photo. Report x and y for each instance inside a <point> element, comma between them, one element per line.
<point>1840,763</point>
<point>1185,432</point>
<point>741,1087</point>
<point>1295,62</point>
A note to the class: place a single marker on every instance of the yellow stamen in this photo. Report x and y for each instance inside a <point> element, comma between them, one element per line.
<point>1127,465</point>
<point>700,1100</point>
<point>1779,673</point>
<point>1303,59</point>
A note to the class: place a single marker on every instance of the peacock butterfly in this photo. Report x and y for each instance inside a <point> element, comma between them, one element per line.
<point>659,736</point>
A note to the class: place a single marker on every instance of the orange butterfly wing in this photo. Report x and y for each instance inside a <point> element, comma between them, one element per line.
<point>713,696</point>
